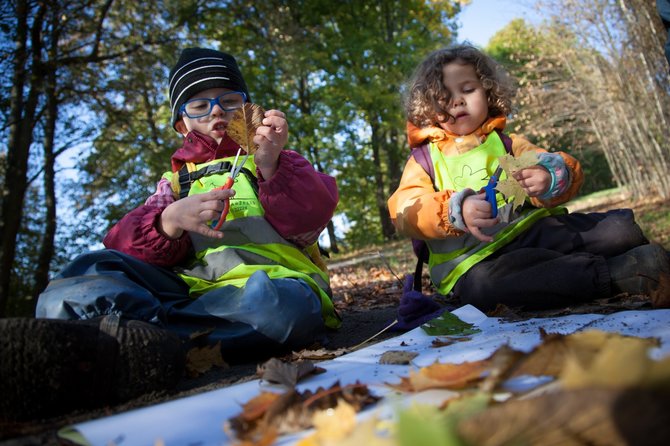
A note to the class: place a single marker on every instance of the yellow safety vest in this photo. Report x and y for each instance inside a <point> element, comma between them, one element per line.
<point>452,257</point>
<point>250,242</point>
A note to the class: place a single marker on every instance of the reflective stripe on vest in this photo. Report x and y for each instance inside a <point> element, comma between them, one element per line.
<point>450,258</point>
<point>250,244</point>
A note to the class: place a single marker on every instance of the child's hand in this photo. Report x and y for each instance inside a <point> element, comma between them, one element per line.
<point>192,214</point>
<point>477,214</point>
<point>535,180</point>
<point>271,138</point>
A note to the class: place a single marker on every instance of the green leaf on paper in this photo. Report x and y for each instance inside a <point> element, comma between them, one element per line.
<point>448,324</point>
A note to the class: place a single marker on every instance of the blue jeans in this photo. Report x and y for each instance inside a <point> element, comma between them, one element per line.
<point>265,316</point>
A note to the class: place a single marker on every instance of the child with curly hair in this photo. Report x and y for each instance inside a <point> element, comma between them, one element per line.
<point>535,256</point>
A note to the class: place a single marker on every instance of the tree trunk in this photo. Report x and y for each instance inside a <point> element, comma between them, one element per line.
<point>41,276</point>
<point>388,230</point>
<point>22,112</point>
<point>332,238</point>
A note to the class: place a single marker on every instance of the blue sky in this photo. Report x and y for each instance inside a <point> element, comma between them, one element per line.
<point>481,19</point>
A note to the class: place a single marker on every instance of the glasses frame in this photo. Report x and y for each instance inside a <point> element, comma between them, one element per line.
<point>212,103</point>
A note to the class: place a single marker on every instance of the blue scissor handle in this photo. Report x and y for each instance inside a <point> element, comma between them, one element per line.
<point>491,195</point>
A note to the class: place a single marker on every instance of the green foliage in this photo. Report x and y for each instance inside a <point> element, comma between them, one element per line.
<point>335,68</point>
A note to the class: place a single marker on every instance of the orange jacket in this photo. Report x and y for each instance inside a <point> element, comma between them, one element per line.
<point>421,213</point>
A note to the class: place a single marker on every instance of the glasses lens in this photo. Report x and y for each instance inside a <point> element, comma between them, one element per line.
<point>231,101</point>
<point>197,108</point>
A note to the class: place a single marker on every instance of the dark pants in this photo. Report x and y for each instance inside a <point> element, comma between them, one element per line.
<point>266,315</point>
<point>559,261</point>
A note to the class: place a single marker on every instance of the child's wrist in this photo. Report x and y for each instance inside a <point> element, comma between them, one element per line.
<point>169,230</point>
<point>456,208</point>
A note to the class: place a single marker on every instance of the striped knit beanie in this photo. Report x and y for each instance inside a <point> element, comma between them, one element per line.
<point>199,69</point>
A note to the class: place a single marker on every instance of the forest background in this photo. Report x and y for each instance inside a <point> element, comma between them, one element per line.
<point>84,85</point>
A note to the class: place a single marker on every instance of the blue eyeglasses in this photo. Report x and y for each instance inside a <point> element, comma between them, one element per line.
<point>199,107</point>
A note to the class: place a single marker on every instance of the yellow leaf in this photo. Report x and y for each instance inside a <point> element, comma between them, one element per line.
<point>510,164</point>
<point>621,362</point>
<point>334,424</point>
<point>509,187</point>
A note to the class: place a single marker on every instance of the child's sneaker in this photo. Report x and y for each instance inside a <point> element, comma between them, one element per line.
<point>638,270</point>
<point>50,367</point>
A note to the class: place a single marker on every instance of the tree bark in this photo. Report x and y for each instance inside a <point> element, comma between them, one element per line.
<point>41,276</point>
<point>22,112</point>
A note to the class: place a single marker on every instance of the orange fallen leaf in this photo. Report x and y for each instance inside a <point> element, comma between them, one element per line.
<point>257,406</point>
<point>443,376</point>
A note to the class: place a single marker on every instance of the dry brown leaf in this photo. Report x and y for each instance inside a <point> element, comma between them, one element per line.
<point>549,358</point>
<point>286,373</point>
<point>443,342</point>
<point>574,417</point>
<point>397,357</point>
<point>443,376</point>
<point>257,406</point>
<point>243,125</point>
<point>201,359</point>
<point>319,354</point>
<point>292,411</point>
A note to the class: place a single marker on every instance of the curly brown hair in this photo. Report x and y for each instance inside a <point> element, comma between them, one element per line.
<point>427,97</point>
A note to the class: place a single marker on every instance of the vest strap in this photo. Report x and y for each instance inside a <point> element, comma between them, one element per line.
<point>187,177</point>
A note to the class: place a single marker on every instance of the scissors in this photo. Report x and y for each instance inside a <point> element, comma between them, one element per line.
<point>490,190</point>
<point>234,170</point>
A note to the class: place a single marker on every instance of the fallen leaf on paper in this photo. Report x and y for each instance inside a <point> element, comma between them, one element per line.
<point>293,411</point>
<point>397,357</point>
<point>622,362</point>
<point>442,376</point>
<point>550,357</point>
<point>448,324</point>
<point>368,433</point>
<point>423,425</point>
<point>591,416</point>
<point>319,354</point>
<point>443,342</point>
<point>286,373</point>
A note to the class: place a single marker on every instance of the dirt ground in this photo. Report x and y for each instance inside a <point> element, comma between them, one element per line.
<point>367,290</point>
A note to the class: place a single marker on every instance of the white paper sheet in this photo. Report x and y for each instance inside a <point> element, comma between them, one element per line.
<point>199,419</point>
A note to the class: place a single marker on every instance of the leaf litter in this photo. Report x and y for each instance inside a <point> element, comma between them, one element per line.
<point>594,373</point>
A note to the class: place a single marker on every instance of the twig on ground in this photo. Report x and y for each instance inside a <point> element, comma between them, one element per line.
<point>388,265</point>
<point>356,347</point>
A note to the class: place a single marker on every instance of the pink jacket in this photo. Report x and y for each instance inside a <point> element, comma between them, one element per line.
<point>298,203</point>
